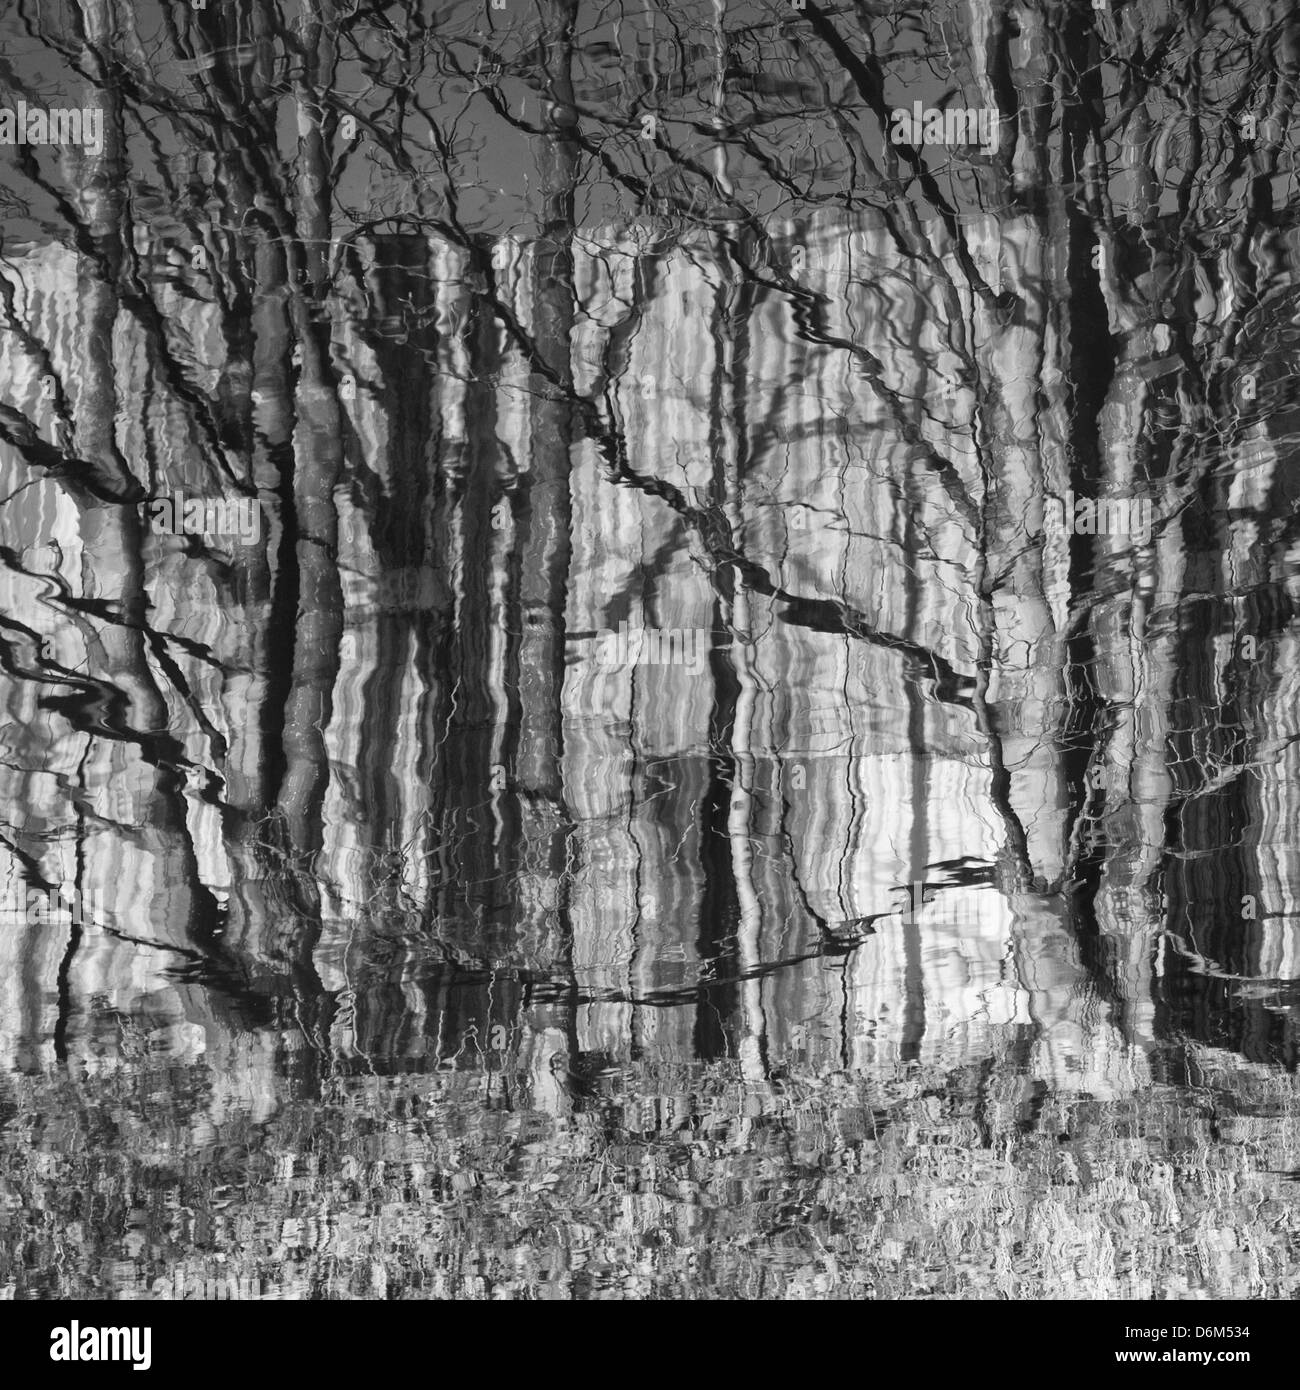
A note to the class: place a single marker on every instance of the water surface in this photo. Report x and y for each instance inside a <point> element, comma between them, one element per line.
<point>721,718</point>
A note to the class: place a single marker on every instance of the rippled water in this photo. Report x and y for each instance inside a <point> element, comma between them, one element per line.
<point>616,684</point>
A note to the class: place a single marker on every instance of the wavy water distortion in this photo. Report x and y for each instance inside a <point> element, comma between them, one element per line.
<point>649,649</point>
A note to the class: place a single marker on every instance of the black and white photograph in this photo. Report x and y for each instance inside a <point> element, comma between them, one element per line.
<point>649,652</point>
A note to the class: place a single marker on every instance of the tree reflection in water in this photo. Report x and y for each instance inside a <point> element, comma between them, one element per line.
<point>930,928</point>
